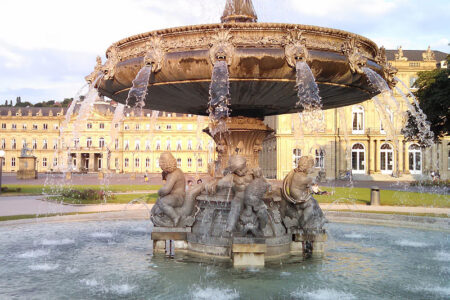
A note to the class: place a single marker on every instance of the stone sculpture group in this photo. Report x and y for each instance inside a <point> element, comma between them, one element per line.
<point>253,203</point>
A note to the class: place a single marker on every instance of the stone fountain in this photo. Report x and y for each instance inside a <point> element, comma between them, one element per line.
<point>238,215</point>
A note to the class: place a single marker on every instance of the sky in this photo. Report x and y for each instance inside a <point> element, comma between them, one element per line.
<point>47,47</point>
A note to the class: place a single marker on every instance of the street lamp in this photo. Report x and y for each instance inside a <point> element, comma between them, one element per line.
<point>2,155</point>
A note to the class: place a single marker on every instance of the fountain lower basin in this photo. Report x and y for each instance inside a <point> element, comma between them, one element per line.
<point>112,259</point>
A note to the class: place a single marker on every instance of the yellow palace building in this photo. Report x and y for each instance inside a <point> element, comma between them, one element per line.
<point>133,144</point>
<point>352,139</point>
<point>349,138</point>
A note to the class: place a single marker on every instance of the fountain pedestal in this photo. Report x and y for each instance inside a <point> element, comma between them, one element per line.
<point>162,234</point>
<point>248,252</point>
<point>27,168</point>
<point>244,137</point>
<point>309,243</point>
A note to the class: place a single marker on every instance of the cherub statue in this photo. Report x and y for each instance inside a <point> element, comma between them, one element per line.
<point>173,208</point>
<point>301,210</point>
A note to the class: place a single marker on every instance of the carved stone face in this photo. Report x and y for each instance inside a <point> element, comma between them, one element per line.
<point>305,164</point>
<point>237,164</point>
<point>167,162</point>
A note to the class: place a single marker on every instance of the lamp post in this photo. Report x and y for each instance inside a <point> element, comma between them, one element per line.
<point>2,155</point>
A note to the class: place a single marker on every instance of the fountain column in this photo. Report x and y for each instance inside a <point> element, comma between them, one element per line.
<point>244,137</point>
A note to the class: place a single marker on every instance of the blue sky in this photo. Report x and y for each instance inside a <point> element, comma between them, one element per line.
<point>48,46</point>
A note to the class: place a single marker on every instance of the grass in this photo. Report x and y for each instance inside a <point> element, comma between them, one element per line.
<point>22,217</point>
<point>117,199</point>
<point>388,197</point>
<point>393,213</point>
<point>26,190</point>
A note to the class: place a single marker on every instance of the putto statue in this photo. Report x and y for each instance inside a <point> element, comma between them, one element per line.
<point>301,210</point>
<point>173,208</point>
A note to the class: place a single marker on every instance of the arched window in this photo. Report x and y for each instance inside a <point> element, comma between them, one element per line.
<point>296,154</point>
<point>358,159</point>
<point>386,158</point>
<point>415,159</point>
<point>358,119</point>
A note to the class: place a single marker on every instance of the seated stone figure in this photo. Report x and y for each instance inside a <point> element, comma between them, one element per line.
<point>300,209</point>
<point>174,208</point>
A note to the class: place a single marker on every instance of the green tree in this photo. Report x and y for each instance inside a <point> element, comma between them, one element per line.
<point>433,95</point>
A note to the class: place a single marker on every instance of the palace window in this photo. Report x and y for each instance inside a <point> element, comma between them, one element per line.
<point>358,158</point>
<point>168,144</point>
<point>320,159</point>
<point>158,127</point>
<point>137,145</point>
<point>391,118</point>
<point>136,162</point>
<point>3,144</point>
<point>137,127</point>
<point>296,154</point>
<point>116,125</point>
<point>147,162</point>
<point>35,127</point>
<point>179,145</point>
<point>147,126</point>
<point>127,162</point>
<point>13,162</point>
<point>14,126</point>
<point>101,143</point>
<point>44,144</point>
<point>55,162</point>
<point>24,126</point>
<point>179,127</point>
<point>200,145</point>
<point>189,146</point>
<point>24,143</point>
<point>89,142</point>
<point>76,142</point>
<point>158,145</point>
<point>147,145</point>
<point>126,145</point>
<point>101,125</point>
<point>34,144</point>
<point>55,144</point>
<point>3,125</point>
<point>56,127</point>
<point>414,64</point>
<point>200,163</point>
<point>178,162</point>
<point>116,144</point>
<point>169,127</point>
<point>13,144</point>
<point>44,161</point>
<point>358,120</point>
<point>126,127</point>
<point>190,127</point>
<point>386,158</point>
<point>189,162</point>
<point>100,163</point>
<point>116,162</point>
<point>89,125</point>
<point>45,126</point>
<point>415,159</point>
<point>412,81</point>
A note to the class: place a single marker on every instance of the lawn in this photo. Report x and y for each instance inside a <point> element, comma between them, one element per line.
<point>388,197</point>
<point>41,189</point>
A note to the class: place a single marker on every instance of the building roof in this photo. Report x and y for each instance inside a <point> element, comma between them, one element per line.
<point>415,55</point>
<point>34,111</point>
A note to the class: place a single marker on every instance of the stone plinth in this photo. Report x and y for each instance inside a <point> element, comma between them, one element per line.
<point>244,137</point>
<point>248,252</point>
<point>160,235</point>
<point>310,243</point>
<point>27,168</point>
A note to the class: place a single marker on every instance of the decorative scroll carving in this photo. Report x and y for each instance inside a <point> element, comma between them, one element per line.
<point>355,59</point>
<point>97,69</point>
<point>428,55</point>
<point>296,49</point>
<point>155,53</point>
<point>399,54</point>
<point>221,47</point>
<point>109,69</point>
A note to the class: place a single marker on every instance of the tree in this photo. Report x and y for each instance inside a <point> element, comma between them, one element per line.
<point>433,95</point>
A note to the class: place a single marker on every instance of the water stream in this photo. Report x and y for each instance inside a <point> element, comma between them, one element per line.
<point>138,92</point>
<point>307,89</point>
<point>219,99</point>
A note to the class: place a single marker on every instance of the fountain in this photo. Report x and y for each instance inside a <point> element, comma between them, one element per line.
<point>238,72</point>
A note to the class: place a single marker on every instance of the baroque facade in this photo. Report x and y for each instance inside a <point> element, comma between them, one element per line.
<point>352,139</point>
<point>97,144</point>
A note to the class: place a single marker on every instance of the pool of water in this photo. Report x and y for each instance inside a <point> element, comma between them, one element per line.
<point>112,259</point>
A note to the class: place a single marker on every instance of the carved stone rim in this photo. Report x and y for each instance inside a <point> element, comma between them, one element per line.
<point>255,26</point>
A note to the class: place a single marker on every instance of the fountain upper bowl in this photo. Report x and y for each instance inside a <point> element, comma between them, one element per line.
<point>262,79</point>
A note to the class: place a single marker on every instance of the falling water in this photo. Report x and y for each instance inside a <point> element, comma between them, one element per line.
<point>200,126</point>
<point>138,92</point>
<point>117,119</point>
<point>308,91</point>
<point>343,126</point>
<point>219,92</point>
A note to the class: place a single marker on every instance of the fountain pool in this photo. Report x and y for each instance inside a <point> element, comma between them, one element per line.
<point>112,259</point>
